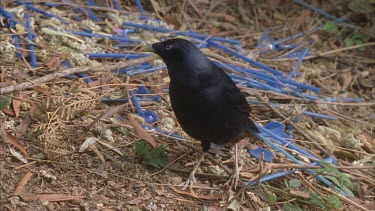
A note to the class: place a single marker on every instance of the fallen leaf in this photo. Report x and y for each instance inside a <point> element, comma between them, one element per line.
<point>42,90</point>
<point>17,155</point>
<point>9,112</point>
<point>87,143</point>
<point>17,104</point>
<point>21,185</point>
<point>12,140</point>
<point>138,129</point>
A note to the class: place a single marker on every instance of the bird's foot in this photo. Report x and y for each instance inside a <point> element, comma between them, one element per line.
<point>190,181</point>
<point>233,180</point>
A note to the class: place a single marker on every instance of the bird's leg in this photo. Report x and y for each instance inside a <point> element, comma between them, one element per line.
<point>191,180</point>
<point>233,180</point>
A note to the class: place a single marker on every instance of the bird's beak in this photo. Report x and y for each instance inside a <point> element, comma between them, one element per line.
<point>147,48</point>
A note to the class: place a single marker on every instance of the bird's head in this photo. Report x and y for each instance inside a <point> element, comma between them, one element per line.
<point>174,50</point>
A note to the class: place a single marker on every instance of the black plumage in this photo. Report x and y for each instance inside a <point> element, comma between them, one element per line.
<point>207,103</point>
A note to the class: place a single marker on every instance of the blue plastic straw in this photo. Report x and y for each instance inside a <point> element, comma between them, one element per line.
<point>121,39</point>
<point>85,11</point>
<point>264,139</point>
<point>139,5</point>
<point>30,36</point>
<point>115,55</point>
<point>117,4</point>
<point>287,143</point>
<point>317,10</point>
<point>49,15</point>
<point>266,77</point>
<point>298,63</point>
<point>127,69</point>
<point>188,33</point>
<point>344,99</point>
<point>136,72</point>
<point>255,63</point>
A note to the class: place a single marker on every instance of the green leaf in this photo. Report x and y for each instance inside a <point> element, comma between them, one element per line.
<point>333,201</point>
<point>271,198</point>
<point>152,157</point>
<point>330,26</point>
<point>295,184</point>
<point>349,42</point>
<point>315,200</point>
<point>4,101</point>
<point>357,35</point>
<point>291,207</point>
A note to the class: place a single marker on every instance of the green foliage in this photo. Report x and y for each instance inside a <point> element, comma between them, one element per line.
<point>330,26</point>
<point>339,179</point>
<point>294,184</point>
<point>152,157</point>
<point>291,207</point>
<point>316,200</point>
<point>354,39</point>
<point>271,197</point>
<point>331,201</point>
<point>4,102</point>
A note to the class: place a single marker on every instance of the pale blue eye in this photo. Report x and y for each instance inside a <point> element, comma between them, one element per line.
<point>168,47</point>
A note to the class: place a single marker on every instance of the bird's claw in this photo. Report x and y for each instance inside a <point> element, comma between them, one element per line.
<point>189,182</point>
<point>233,180</point>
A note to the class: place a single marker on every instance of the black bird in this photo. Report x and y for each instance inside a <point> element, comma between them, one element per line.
<point>207,103</point>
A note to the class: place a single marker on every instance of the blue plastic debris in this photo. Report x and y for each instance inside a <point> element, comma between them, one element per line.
<point>259,152</point>
<point>148,116</point>
<point>30,37</point>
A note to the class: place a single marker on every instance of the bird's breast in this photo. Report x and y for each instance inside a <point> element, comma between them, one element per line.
<point>205,115</point>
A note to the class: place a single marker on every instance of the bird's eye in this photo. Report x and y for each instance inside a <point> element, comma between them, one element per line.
<point>168,47</point>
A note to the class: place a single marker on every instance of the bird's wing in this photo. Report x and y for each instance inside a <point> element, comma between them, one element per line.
<point>233,94</point>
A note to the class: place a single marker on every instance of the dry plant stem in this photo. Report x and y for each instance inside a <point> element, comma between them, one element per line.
<point>326,152</point>
<point>50,77</point>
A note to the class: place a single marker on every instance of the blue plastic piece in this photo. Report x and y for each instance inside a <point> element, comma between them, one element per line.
<point>317,10</point>
<point>85,77</point>
<point>260,151</point>
<point>116,55</point>
<point>139,5</point>
<point>148,116</point>
<point>49,15</point>
<point>30,36</point>
<point>282,151</point>
<point>85,11</point>
<point>141,71</point>
<point>127,69</point>
<point>117,4</point>
<point>298,63</point>
<point>234,53</point>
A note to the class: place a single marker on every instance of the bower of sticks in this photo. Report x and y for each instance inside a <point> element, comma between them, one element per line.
<point>86,121</point>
